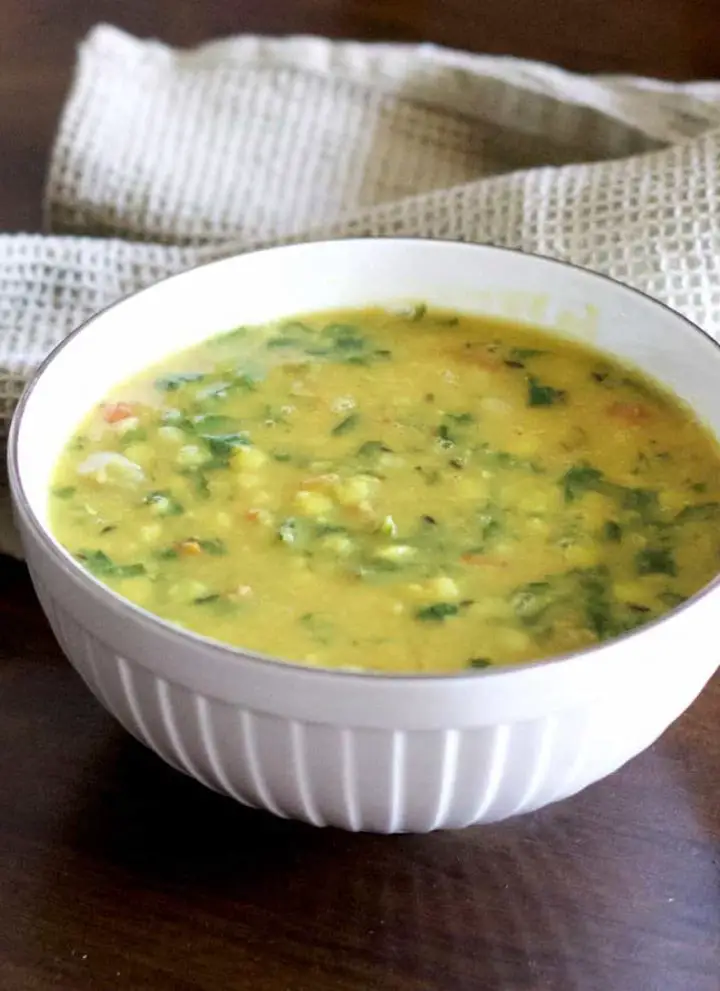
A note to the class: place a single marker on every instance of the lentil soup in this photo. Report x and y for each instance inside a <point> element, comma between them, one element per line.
<point>408,492</point>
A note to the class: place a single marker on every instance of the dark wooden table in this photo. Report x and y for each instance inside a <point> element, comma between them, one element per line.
<point>116,872</point>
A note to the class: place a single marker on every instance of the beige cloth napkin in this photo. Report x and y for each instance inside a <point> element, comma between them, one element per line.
<point>164,158</point>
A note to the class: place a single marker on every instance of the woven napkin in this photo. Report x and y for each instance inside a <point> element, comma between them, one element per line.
<point>164,158</point>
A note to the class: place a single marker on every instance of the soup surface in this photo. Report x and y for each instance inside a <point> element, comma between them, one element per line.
<point>408,492</point>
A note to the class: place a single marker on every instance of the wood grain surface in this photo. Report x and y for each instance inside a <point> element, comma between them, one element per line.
<point>117,872</point>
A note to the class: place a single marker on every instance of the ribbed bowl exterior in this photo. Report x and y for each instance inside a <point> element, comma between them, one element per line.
<point>356,777</point>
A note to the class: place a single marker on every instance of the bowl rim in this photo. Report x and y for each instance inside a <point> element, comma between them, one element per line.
<point>139,615</point>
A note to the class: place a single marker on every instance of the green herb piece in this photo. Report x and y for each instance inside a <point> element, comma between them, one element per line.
<point>522,354</point>
<point>601,374</point>
<point>223,445</point>
<point>203,600</point>
<point>282,342</point>
<point>133,436</point>
<point>430,475</point>
<point>200,482</point>
<point>327,529</point>
<point>246,382</point>
<point>345,337</point>
<point>543,395</point>
<point>382,353</point>
<point>103,566</point>
<point>346,425</point>
<point>612,532</point>
<point>319,627</point>
<point>460,418</point>
<point>175,418</point>
<point>217,390</point>
<point>373,448</point>
<point>479,663</point>
<point>446,438</point>
<point>655,561</point>
<point>595,588</point>
<point>699,487</point>
<point>287,531</point>
<point>703,511</point>
<point>167,554</point>
<point>171,383</point>
<point>531,600</point>
<point>489,522</point>
<point>580,479</point>
<point>213,546</point>
<point>642,501</point>
<point>208,423</point>
<point>165,503</point>
<point>417,312</point>
<point>672,599</point>
<point>437,612</point>
<point>503,459</point>
<point>64,491</point>
<point>281,456</point>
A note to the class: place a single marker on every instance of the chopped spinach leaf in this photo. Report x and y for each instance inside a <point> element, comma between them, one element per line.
<point>64,491</point>
<point>281,456</point>
<point>344,337</point>
<point>133,436</point>
<point>580,479</point>
<point>103,566</point>
<point>174,418</point>
<point>479,662</point>
<point>612,532</point>
<point>597,601</point>
<point>446,438</point>
<point>655,561</point>
<point>372,448</point>
<point>672,599</point>
<point>203,600</point>
<point>346,425</point>
<point>700,512</point>
<point>171,383</point>
<point>246,381</point>
<point>217,390</point>
<point>287,531</point>
<point>438,611</point>
<point>208,423</point>
<point>213,546</point>
<point>641,501</point>
<point>223,445</point>
<point>199,480</point>
<point>522,354</point>
<point>543,395</point>
<point>165,504</point>
<point>531,600</point>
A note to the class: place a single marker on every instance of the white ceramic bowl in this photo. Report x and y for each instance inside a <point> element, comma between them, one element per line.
<point>364,752</point>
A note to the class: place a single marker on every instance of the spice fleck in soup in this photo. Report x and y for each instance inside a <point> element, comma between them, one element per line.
<point>410,492</point>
